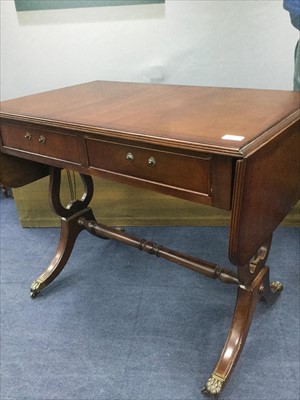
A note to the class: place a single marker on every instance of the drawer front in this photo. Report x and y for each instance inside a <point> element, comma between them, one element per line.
<point>41,142</point>
<point>190,173</point>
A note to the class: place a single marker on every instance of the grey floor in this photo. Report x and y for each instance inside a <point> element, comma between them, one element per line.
<point>119,324</point>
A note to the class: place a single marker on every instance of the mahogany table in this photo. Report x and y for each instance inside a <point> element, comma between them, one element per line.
<point>235,149</point>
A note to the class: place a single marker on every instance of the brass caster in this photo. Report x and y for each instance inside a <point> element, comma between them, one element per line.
<point>33,294</point>
<point>36,288</point>
<point>276,286</point>
<point>213,387</point>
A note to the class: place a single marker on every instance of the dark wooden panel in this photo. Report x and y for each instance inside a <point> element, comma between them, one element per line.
<point>16,172</point>
<point>222,181</point>
<point>267,187</point>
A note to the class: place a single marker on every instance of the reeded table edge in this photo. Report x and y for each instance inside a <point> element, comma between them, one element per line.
<point>245,150</point>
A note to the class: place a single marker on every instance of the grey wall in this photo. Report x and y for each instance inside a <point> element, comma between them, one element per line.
<point>239,43</point>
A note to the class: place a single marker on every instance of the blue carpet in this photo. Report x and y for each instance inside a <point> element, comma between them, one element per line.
<point>118,324</point>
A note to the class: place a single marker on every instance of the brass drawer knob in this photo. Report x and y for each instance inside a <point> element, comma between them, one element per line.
<point>129,157</point>
<point>42,139</point>
<point>152,161</point>
<point>28,136</point>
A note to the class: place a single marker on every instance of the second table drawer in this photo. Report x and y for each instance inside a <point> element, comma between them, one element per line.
<point>182,171</point>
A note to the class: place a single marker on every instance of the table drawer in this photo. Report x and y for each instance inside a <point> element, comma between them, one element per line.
<point>44,143</point>
<point>175,170</point>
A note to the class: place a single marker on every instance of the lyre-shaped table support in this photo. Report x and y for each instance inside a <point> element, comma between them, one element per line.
<point>252,279</point>
<point>70,229</point>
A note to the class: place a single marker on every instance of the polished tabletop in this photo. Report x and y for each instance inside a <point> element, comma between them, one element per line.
<point>199,118</point>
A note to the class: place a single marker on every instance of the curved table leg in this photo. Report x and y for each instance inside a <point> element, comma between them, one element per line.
<point>247,299</point>
<point>70,228</point>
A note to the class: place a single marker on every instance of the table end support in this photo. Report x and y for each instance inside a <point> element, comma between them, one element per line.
<point>246,302</point>
<point>70,228</point>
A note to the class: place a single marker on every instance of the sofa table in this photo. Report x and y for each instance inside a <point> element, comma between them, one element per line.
<point>235,149</point>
